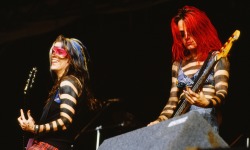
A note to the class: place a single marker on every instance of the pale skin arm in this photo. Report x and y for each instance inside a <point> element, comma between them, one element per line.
<point>27,124</point>
<point>153,123</point>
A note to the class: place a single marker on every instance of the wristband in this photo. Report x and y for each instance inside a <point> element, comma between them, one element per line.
<point>36,130</point>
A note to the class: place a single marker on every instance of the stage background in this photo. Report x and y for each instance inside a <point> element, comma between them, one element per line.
<point>130,47</point>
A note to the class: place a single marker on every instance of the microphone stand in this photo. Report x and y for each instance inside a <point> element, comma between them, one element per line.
<point>98,132</point>
<point>106,105</point>
<point>98,136</point>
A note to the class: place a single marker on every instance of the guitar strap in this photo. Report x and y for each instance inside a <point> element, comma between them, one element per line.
<point>46,109</point>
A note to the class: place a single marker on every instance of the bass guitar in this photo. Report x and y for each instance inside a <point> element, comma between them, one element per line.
<point>184,105</point>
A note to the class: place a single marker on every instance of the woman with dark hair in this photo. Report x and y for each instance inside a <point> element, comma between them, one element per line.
<point>71,91</point>
<point>195,39</point>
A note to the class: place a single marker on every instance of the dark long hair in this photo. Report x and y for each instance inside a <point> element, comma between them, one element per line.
<point>78,66</point>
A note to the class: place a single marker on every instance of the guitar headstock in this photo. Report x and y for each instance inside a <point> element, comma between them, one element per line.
<point>30,80</point>
<point>227,46</point>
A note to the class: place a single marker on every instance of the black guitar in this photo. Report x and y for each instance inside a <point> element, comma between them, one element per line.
<point>28,86</point>
<point>184,105</point>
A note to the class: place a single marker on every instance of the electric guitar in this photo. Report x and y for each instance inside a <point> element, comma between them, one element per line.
<point>28,86</point>
<point>184,105</point>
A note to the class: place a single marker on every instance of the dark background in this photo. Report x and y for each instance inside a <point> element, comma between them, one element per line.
<point>129,42</point>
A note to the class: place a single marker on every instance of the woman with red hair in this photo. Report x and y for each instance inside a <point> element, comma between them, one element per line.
<point>195,40</point>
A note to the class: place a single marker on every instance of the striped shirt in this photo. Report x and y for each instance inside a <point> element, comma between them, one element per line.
<point>215,91</point>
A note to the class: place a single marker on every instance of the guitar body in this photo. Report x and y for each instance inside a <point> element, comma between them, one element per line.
<point>183,105</point>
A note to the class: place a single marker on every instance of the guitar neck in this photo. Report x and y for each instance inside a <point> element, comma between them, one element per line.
<point>185,105</point>
<point>196,86</point>
<point>28,86</point>
<point>182,108</point>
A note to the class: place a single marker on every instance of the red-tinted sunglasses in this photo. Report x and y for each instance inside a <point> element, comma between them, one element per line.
<point>62,53</point>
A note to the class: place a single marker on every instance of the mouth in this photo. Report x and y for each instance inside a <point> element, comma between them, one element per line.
<point>189,42</point>
<point>54,61</point>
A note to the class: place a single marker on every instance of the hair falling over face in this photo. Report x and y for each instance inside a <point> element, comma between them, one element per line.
<point>199,26</point>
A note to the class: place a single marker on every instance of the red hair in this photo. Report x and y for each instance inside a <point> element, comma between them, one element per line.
<point>200,27</point>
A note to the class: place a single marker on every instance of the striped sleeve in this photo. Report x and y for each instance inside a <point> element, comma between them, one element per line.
<point>69,92</point>
<point>172,102</point>
<point>221,77</point>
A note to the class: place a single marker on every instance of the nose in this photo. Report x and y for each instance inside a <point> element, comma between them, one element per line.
<point>53,53</point>
<point>186,35</point>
